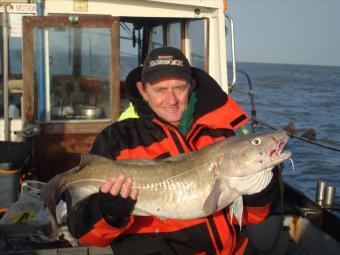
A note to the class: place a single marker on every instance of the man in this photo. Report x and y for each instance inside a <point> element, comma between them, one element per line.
<point>180,109</point>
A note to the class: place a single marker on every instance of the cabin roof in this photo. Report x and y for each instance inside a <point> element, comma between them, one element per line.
<point>201,3</point>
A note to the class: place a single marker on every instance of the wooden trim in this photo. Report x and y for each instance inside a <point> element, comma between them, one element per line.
<point>89,21</point>
<point>15,171</point>
<point>115,69</point>
<point>74,128</point>
<point>28,71</point>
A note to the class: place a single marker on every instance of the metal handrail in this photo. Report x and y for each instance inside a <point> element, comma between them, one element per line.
<point>233,82</point>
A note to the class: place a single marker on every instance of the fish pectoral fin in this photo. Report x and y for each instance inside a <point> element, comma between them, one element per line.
<point>210,205</point>
<point>236,209</point>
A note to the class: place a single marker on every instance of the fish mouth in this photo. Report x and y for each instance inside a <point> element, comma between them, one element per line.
<point>277,153</point>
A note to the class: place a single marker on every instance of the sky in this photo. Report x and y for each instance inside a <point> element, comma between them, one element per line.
<point>287,31</point>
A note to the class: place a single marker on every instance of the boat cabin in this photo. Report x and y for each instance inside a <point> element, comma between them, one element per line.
<point>76,55</point>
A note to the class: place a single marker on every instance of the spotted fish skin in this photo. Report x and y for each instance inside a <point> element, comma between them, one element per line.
<point>186,186</point>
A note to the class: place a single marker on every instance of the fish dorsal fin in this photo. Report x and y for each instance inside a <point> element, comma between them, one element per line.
<point>87,158</point>
<point>178,157</point>
<point>173,159</point>
<point>210,205</point>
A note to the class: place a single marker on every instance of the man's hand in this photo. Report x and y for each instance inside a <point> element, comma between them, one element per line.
<point>120,185</point>
<point>116,200</point>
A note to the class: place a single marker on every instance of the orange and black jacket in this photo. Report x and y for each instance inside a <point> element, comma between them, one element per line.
<point>216,117</point>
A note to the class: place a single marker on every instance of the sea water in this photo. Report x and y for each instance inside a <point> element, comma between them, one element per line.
<point>308,96</point>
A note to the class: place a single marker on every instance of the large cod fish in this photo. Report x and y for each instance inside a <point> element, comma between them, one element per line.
<point>187,186</point>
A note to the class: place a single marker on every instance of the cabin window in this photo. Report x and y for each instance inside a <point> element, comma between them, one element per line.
<point>14,74</point>
<point>15,45</point>
<point>78,73</point>
<point>130,48</point>
<point>14,57</point>
<point>196,43</point>
<point>157,37</point>
<point>14,64</point>
<point>131,38</point>
<point>174,35</point>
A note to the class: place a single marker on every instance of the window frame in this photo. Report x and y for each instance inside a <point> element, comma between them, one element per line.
<point>83,21</point>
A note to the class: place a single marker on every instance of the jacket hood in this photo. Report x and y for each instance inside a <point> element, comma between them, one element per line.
<point>210,95</point>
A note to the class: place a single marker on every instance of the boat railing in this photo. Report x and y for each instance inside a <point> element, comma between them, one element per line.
<point>233,58</point>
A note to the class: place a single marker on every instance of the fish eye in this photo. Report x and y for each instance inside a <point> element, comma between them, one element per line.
<point>256,141</point>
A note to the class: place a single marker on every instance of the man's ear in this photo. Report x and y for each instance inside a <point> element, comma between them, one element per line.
<point>141,90</point>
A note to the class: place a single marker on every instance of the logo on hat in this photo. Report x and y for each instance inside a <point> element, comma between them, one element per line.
<point>174,62</point>
<point>165,61</point>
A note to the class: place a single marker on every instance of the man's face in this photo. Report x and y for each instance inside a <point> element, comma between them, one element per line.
<point>167,97</point>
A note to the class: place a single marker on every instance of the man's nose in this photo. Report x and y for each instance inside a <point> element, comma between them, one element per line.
<point>172,97</point>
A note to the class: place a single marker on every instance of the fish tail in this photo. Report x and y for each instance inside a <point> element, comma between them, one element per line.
<point>52,191</point>
<point>49,194</point>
